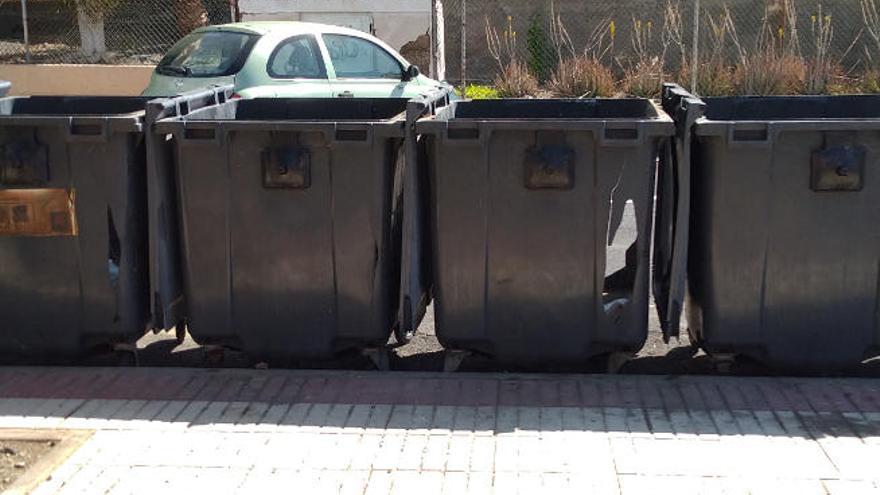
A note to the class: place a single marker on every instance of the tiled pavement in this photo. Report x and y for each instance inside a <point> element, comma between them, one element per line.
<point>265,431</point>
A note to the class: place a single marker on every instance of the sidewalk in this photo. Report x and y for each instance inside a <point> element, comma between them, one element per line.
<point>252,431</point>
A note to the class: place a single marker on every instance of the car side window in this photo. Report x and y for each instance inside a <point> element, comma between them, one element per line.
<point>297,57</point>
<point>357,58</point>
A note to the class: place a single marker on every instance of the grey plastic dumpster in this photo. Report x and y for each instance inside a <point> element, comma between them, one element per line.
<point>165,259</point>
<point>525,197</point>
<point>672,217</point>
<point>290,223</point>
<point>73,230</point>
<point>783,260</point>
<point>5,86</point>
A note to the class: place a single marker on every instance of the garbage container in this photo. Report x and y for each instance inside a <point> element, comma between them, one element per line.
<point>73,230</point>
<point>165,259</point>
<point>527,197</point>
<point>290,223</point>
<point>783,262</point>
<point>5,86</point>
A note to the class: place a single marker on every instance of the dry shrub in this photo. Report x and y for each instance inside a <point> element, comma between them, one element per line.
<point>714,74</point>
<point>582,77</point>
<point>766,73</point>
<point>516,81</point>
<point>715,78</point>
<point>773,67</point>
<point>644,76</point>
<point>644,79</point>
<point>870,82</point>
<point>823,73</point>
<point>580,73</point>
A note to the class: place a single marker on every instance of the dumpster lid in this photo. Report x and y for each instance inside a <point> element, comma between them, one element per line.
<point>541,109</point>
<point>68,106</point>
<point>767,108</point>
<point>305,109</point>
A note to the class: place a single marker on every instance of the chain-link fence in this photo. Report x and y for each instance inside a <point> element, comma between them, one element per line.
<point>101,31</point>
<point>629,36</point>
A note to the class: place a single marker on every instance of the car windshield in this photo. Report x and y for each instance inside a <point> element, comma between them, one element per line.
<point>208,54</point>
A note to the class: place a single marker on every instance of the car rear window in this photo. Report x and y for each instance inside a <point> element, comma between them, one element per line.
<point>208,54</point>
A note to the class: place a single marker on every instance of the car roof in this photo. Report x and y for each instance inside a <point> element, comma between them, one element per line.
<point>283,28</point>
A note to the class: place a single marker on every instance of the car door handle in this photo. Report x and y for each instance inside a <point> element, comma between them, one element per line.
<point>345,94</point>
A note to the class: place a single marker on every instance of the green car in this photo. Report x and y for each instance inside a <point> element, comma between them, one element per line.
<point>287,59</point>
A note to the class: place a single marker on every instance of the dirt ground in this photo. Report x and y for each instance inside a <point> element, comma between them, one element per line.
<point>16,456</point>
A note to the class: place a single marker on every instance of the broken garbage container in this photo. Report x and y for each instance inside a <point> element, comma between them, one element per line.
<point>74,256</point>
<point>290,223</point>
<point>782,264</point>
<point>530,261</point>
<point>73,229</point>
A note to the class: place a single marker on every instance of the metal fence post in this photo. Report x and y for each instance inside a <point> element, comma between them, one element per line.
<point>695,61</point>
<point>27,40</point>
<point>438,44</point>
<point>463,43</point>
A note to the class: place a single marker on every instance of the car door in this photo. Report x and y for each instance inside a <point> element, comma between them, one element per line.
<point>362,68</point>
<point>296,70</point>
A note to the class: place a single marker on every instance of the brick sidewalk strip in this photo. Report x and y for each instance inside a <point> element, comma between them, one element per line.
<point>267,431</point>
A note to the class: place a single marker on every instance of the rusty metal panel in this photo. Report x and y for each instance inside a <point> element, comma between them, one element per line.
<point>37,212</point>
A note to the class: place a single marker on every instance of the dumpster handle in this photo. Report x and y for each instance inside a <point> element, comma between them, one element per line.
<point>87,130</point>
<point>619,135</point>
<point>750,135</point>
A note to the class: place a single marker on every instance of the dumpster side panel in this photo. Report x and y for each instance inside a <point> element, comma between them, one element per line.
<point>39,278</point>
<point>623,176</point>
<point>293,266</point>
<point>779,271</point>
<point>729,231</point>
<point>821,274</point>
<point>281,243</point>
<point>110,184</point>
<point>366,257</point>
<point>459,171</point>
<point>540,250</point>
<point>94,281</point>
<point>203,179</point>
<point>521,222</point>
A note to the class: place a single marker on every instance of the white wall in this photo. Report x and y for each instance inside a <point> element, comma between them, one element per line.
<point>396,22</point>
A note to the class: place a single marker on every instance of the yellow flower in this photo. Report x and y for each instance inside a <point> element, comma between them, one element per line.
<point>612,28</point>
<point>782,32</point>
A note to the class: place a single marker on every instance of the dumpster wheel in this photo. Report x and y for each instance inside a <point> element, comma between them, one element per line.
<point>615,361</point>
<point>127,354</point>
<point>379,356</point>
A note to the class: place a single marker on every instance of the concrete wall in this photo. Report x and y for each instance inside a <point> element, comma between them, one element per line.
<point>122,80</point>
<point>395,22</point>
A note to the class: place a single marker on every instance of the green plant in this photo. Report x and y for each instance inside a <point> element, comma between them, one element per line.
<point>541,60</point>
<point>515,81</point>
<point>480,92</point>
